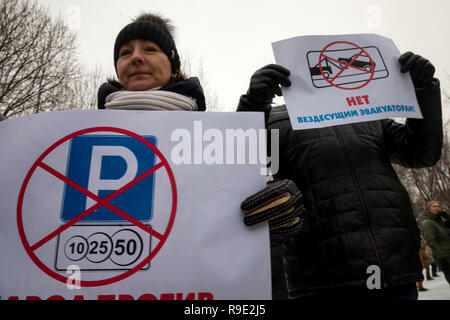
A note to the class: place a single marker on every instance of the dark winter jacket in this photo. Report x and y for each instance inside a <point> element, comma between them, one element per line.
<point>189,87</point>
<point>436,231</point>
<point>358,213</point>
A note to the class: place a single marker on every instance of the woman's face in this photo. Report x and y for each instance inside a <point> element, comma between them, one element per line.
<point>142,65</point>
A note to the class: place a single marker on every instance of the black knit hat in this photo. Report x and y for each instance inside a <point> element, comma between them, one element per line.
<point>152,31</point>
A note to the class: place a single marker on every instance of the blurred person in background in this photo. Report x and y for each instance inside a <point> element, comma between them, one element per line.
<point>436,231</point>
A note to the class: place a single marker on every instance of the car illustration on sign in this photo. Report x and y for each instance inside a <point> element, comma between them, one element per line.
<point>363,64</point>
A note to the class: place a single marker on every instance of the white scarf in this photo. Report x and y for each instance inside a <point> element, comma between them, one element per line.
<point>149,100</point>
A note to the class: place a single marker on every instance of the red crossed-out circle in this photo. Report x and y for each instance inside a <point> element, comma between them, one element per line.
<point>345,66</point>
<point>30,249</point>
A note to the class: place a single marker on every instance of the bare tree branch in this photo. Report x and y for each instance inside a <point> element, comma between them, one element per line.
<point>37,60</point>
<point>432,183</point>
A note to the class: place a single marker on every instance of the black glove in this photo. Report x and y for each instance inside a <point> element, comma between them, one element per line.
<point>280,203</point>
<point>422,71</point>
<point>265,84</point>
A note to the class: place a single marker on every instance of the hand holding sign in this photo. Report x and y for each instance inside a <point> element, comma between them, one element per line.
<point>422,71</point>
<point>265,84</point>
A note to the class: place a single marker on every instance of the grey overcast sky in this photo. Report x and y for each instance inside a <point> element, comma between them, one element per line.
<point>232,38</point>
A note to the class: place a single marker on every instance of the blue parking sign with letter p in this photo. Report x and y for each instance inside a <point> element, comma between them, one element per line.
<point>103,164</point>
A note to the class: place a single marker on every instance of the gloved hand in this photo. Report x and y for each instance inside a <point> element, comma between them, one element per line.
<point>421,69</point>
<point>280,203</point>
<point>265,84</point>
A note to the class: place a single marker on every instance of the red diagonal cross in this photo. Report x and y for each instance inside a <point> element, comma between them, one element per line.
<point>100,202</point>
<point>347,65</point>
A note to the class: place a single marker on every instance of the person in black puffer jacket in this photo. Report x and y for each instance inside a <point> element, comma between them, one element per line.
<point>358,221</point>
<point>148,70</point>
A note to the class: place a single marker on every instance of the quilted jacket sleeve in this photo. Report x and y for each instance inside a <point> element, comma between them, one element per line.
<point>418,142</point>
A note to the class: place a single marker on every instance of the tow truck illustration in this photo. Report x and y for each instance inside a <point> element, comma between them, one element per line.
<point>326,69</point>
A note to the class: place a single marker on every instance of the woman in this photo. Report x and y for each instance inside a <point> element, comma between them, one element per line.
<point>436,230</point>
<point>148,70</point>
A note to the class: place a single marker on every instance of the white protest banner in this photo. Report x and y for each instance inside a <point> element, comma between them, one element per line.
<point>131,205</point>
<point>338,79</point>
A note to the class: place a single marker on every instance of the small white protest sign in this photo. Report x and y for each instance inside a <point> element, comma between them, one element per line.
<point>111,205</point>
<point>338,79</point>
